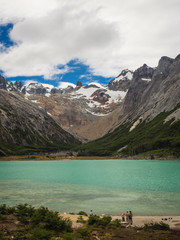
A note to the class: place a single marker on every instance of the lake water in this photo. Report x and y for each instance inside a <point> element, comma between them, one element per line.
<point>105,186</point>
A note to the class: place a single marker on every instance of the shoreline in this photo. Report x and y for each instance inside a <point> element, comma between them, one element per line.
<point>71,158</point>
<point>138,221</point>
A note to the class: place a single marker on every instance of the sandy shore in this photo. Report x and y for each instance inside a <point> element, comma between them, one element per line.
<point>138,221</point>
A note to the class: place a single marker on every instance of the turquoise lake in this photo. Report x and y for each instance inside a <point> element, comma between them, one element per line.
<point>106,186</point>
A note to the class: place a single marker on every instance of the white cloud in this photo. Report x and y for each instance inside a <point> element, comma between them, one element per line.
<point>66,84</point>
<point>29,81</point>
<point>106,35</point>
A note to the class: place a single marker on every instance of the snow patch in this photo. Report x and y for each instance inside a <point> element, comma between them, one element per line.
<point>34,101</point>
<point>128,75</point>
<point>116,96</point>
<point>48,86</point>
<point>27,82</point>
<point>146,79</point>
<point>86,92</point>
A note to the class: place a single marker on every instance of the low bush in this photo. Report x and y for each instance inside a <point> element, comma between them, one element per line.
<point>105,220</point>
<point>4,209</point>
<point>84,232</point>
<point>68,236</point>
<point>116,223</point>
<point>24,212</point>
<point>82,213</point>
<point>50,220</point>
<point>96,220</point>
<point>156,226</point>
<point>41,234</point>
<point>21,234</point>
<point>93,220</point>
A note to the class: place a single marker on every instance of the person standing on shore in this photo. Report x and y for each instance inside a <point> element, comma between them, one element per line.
<point>123,217</point>
<point>91,213</point>
<point>130,218</point>
<point>127,217</point>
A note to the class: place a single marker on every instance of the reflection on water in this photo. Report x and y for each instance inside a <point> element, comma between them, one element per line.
<point>74,192</point>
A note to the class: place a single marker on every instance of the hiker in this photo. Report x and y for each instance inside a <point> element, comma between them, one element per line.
<point>130,218</point>
<point>127,217</point>
<point>91,213</point>
<point>123,217</point>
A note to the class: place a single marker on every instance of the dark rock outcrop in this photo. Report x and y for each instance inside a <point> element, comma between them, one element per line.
<point>100,96</point>
<point>79,84</point>
<point>36,88</point>
<point>141,79</point>
<point>3,83</point>
<point>122,82</point>
<point>144,72</point>
<point>161,93</point>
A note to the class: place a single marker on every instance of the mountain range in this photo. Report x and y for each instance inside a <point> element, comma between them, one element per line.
<point>107,119</point>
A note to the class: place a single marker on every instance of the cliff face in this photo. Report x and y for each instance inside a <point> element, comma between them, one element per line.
<point>154,90</point>
<point>24,123</point>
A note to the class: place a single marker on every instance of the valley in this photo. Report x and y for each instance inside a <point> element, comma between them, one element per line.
<point>137,113</point>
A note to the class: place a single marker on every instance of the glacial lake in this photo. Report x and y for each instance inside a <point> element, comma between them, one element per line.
<point>106,186</point>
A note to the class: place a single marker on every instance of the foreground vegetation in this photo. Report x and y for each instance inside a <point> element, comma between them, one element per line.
<point>24,222</point>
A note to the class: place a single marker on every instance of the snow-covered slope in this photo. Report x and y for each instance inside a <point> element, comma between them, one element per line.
<point>96,98</point>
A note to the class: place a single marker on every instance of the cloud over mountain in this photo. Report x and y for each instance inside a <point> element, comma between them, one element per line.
<point>106,35</point>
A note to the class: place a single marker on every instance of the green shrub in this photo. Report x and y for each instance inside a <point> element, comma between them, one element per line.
<point>105,220</point>
<point>116,223</point>
<point>93,220</point>
<point>96,220</point>
<point>41,234</point>
<point>84,232</point>
<point>156,226</point>
<point>57,223</point>
<point>5,210</point>
<point>24,212</point>
<point>83,213</point>
<point>68,236</point>
<point>50,220</point>
<point>21,234</point>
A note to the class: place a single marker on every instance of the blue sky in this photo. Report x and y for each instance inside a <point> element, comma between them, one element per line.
<point>55,41</point>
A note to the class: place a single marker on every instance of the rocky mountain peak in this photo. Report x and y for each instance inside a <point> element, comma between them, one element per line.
<point>164,66</point>
<point>79,84</point>
<point>143,73</point>
<point>35,88</point>
<point>18,85</point>
<point>2,83</point>
<point>122,81</point>
<point>177,58</point>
